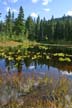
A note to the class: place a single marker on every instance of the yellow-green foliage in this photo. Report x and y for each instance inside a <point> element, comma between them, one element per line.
<point>47,57</point>
<point>55,54</point>
<point>59,54</point>
<point>10,58</point>
<point>65,59</point>
<point>34,57</point>
<point>61,59</point>
<point>43,47</point>
<point>18,58</point>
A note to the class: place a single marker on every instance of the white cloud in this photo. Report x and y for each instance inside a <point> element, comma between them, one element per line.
<point>34,1</point>
<point>5,3</point>
<point>12,9</point>
<point>7,9</point>
<point>46,9</point>
<point>13,1</point>
<point>45,2</point>
<point>35,15</point>
<point>69,13</point>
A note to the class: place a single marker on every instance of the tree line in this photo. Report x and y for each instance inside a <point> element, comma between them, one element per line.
<point>55,29</point>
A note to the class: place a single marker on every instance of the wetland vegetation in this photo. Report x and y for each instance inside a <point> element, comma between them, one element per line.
<point>26,80</point>
<point>35,62</point>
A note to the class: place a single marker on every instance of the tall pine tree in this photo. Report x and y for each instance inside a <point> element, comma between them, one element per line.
<point>9,23</point>
<point>19,22</point>
<point>30,27</point>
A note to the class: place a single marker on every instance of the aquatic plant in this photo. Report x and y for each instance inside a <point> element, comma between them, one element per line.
<point>43,47</point>
<point>18,58</point>
<point>34,57</point>
<point>61,59</point>
<point>10,58</point>
<point>47,57</point>
<point>55,54</point>
<point>59,54</point>
<point>66,59</point>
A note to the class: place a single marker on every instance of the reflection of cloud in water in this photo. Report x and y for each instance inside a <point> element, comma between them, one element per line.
<point>66,73</point>
<point>31,67</point>
<point>51,71</point>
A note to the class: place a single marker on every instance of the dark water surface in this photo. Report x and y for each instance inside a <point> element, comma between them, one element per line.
<point>37,60</point>
<point>52,69</point>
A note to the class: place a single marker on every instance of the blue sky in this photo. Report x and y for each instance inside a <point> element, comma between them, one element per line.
<point>44,8</point>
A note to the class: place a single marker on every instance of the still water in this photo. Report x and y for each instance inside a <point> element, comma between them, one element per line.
<point>42,60</point>
<point>39,67</point>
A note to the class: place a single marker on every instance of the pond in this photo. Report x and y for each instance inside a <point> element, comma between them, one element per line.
<point>39,59</point>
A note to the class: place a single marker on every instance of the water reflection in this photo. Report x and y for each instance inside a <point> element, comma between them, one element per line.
<point>36,60</point>
<point>41,66</point>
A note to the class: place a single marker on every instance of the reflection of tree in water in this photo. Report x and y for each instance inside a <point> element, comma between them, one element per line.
<point>64,66</point>
<point>19,67</point>
<point>35,63</point>
<point>27,62</point>
<point>8,65</point>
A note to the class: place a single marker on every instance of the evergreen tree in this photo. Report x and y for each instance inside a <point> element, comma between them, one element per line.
<point>37,28</point>
<point>9,23</point>
<point>1,26</point>
<point>67,29</point>
<point>41,31</point>
<point>19,22</point>
<point>30,27</point>
<point>13,22</point>
<point>55,29</point>
<point>0,14</point>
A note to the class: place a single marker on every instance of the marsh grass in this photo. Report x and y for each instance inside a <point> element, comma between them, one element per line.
<point>24,90</point>
<point>20,90</point>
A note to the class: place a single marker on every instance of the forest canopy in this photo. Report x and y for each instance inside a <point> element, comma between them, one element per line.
<point>55,29</point>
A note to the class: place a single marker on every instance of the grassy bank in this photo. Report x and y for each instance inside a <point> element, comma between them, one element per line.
<point>26,43</point>
<point>12,43</point>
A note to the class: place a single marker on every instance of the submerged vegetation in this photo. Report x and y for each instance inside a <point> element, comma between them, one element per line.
<point>19,90</point>
<point>33,52</point>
